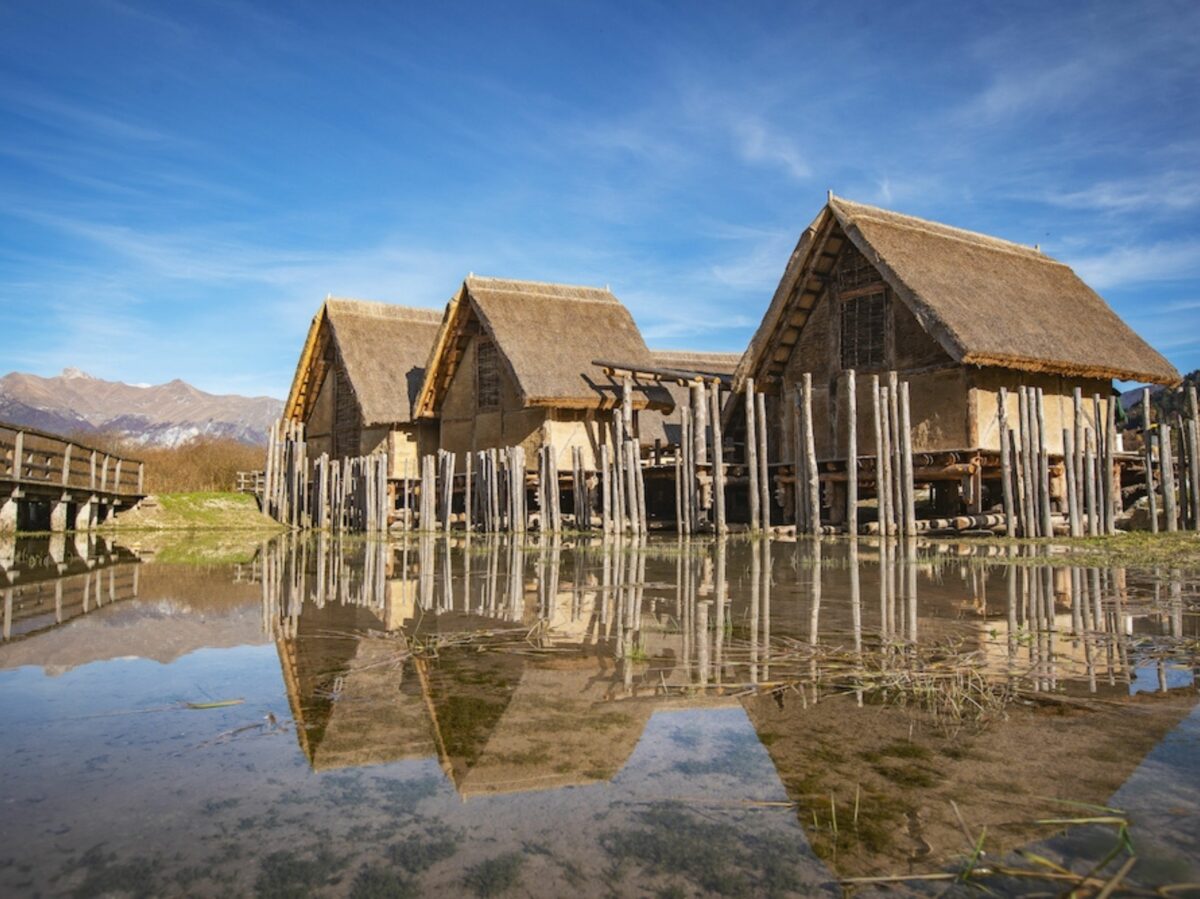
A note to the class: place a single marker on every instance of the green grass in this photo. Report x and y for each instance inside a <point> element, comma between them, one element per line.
<point>202,511</point>
<point>1132,548</point>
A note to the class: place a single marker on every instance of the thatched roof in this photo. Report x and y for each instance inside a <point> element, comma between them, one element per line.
<point>547,335</point>
<point>383,349</point>
<point>988,302</point>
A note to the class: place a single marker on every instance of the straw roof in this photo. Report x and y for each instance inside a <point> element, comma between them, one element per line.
<point>382,348</point>
<point>547,334</point>
<point>988,302</point>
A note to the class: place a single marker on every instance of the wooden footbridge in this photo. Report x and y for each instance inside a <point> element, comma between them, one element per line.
<point>48,482</point>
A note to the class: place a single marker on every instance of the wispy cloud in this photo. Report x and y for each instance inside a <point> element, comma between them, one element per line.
<point>1133,265</point>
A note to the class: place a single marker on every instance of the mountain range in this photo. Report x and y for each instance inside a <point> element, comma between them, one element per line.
<point>76,403</point>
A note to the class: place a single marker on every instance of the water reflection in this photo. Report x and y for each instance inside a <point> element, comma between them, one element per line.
<point>622,716</point>
<point>50,580</point>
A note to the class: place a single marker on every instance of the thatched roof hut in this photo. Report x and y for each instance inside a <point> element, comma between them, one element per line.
<point>985,301</point>
<point>547,334</point>
<point>377,354</point>
<point>514,364</point>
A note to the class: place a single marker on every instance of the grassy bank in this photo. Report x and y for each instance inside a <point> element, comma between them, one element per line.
<point>201,511</point>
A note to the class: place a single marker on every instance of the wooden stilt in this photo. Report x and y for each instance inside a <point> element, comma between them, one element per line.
<point>851,454</point>
<point>1047,528</point>
<point>897,450</point>
<point>1148,458</point>
<point>799,465</point>
<point>812,476</point>
<point>1075,523</point>
<point>1006,486</point>
<point>764,479</point>
<point>751,455</point>
<point>1166,460</point>
<point>1091,488</point>
<point>718,457</point>
<point>909,491</point>
<point>887,490</point>
<point>1111,475</point>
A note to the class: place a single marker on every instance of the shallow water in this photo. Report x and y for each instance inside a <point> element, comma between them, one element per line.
<point>665,718</point>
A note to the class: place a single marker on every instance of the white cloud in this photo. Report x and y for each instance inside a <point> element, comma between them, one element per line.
<point>1138,264</point>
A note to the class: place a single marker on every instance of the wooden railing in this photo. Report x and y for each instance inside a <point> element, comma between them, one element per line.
<point>34,458</point>
<point>250,482</point>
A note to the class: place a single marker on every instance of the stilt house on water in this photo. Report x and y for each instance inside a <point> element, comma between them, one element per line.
<point>958,315</point>
<point>513,366</point>
<point>359,372</point>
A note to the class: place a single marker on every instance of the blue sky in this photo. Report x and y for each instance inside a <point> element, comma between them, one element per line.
<point>181,184</point>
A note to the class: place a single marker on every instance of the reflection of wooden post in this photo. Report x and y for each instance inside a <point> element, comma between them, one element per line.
<point>718,456</point>
<point>751,457</point>
<point>851,454</point>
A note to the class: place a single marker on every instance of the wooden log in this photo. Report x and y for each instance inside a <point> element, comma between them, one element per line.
<point>699,424</point>
<point>752,455</point>
<point>1077,409</point>
<point>896,449</point>
<point>1043,463</point>
<point>1030,482</point>
<point>881,489</point>
<point>1192,429</point>
<point>1148,458</point>
<point>633,472</point>
<point>622,519</point>
<point>680,523</point>
<point>764,479</point>
<point>887,492</point>
<point>1072,488</point>
<point>1104,485</point>
<point>718,457</point>
<point>812,476</point>
<point>799,466</point>
<point>852,453</point>
<point>641,491</point>
<point>1111,474</point>
<point>910,511</point>
<point>1006,486</point>
<point>1090,487</point>
<point>688,478</point>
<point>1018,482</point>
<point>605,490</point>
<point>1166,460</point>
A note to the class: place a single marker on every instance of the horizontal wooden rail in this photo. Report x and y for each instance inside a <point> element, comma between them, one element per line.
<point>29,457</point>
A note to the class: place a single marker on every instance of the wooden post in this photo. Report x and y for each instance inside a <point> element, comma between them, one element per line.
<point>633,472</point>
<point>1111,474</point>
<point>1077,403</point>
<point>896,447</point>
<point>680,523</point>
<point>800,465</point>
<point>1148,454</point>
<point>887,492</point>
<point>718,456</point>
<point>764,479</point>
<point>1089,482</point>
<point>1072,488</point>
<point>1105,483</point>
<point>689,476</point>
<point>880,489</point>
<point>751,457</point>
<point>619,474</point>
<point>605,490</point>
<point>1043,464</point>
<point>851,454</point>
<point>1018,482</point>
<point>1030,518</point>
<point>1193,429</point>
<point>812,476</point>
<point>910,511</point>
<point>66,466</point>
<point>1168,476</point>
<point>1005,464</point>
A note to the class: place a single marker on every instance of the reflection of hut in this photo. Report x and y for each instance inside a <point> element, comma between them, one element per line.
<point>513,365</point>
<point>957,314</point>
<point>358,374</point>
<point>897,781</point>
